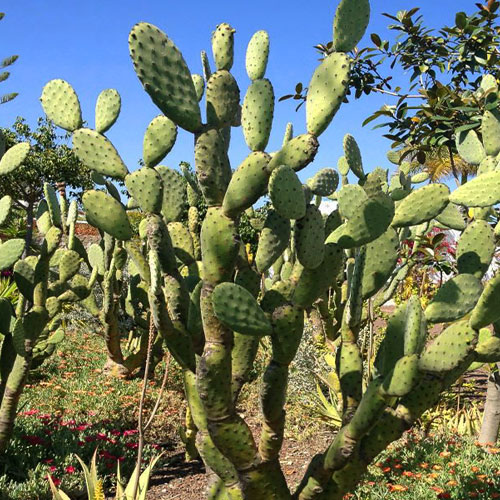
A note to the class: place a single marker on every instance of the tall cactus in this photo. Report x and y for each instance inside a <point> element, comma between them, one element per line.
<point>47,281</point>
<point>211,307</point>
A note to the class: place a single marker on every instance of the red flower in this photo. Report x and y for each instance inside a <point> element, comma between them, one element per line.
<point>34,440</point>
<point>70,469</point>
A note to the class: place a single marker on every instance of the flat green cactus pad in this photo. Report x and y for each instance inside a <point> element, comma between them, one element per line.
<point>353,156</point>
<point>285,191</point>
<point>14,157</point>
<point>297,153</point>
<point>327,90</point>
<point>223,46</point>
<point>488,164</point>
<point>380,260</point>
<point>166,79</point>
<point>174,193</point>
<point>97,153</point>
<point>61,105</point>
<point>24,276</point>
<point>159,139</point>
<point>273,240</point>
<point>369,222</point>
<point>212,166</point>
<point>420,177</point>
<point>350,23</point>
<point>199,85</point>
<point>96,258</point>
<point>343,166</point>
<point>475,248</point>
<point>490,130</point>
<point>223,99</point>
<point>401,379</point>
<point>415,327</point>
<point>247,184</point>
<point>454,299</point>
<point>257,114</point>
<point>451,217</point>
<point>469,147</point>
<point>107,214</point>
<point>182,242</point>
<point>449,349</point>
<point>483,191</point>
<point>5,315</point>
<point>488,351</point>
<point>107,109</point>
<point>324,182</point>
<point>350,198</point>
<point>288,325</point>
<point>5,206</point>
<point>487,309</point>
<point>237,308</point>
<point>257,55</point>
<point>312,283</point>
<point>57,337</point>
<point>52,205</point>
<point>288,135</point>
<point>146,187</point>
<point>309,237</point>
<point>10,252</point>
<point>219,246</point>
<point>69,265</point>
<point>421,205</point>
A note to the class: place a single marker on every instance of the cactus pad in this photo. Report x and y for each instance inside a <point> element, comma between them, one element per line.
<point>327,90</point>
<point>107,109</point>
<point>454,299</point>
<point>146,187</point>
<point>237,308</point>
<point>490,130</point>
<point>52,205</point>
<point>421,205</point>
<point>61,105</point>
<point>324,182</point>
<point>401,379</point>
<point>247,184</point>
<point>380,260</point>
<point>273,240</point>
<point>309,237</point>
<point>14,157</point>
<point>353,156</point>
<point>448,349</point>
<point>97,153</point>
<point>174,193</point>
<point>96,258</point>
<point>223,99</point>
<point>107,214</point>
<point>470,147</point>
<point>350,198</point>
<point>69,265</point>
<point>297,153</point>
<point>285,191</point>
<point>219,246</point>
<point>165,78</point>
<point>257,55</point>
<point>487,310</point>
<point>483,191</point>
<point>475,248</point>
<point>223,46</point>
<point>199,85</point>
<point>451,217</point>
<point>182,242</point>
<point>257,114</point>
<point>350,23</point>
<point>5,206</point>
<point>159,139</point>
<point>10,252</point>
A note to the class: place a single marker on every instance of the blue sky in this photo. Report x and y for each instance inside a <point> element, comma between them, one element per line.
<point>85,43</point>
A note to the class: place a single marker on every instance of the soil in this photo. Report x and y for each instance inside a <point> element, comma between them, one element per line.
<point>187,480</point>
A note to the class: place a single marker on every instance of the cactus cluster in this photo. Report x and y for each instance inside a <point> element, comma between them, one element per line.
<point>211,304</point>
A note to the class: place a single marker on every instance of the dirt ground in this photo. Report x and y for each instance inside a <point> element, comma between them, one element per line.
<point>187,481</point>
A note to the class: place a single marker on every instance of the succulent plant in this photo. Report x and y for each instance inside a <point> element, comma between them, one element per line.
<point>211,303</point>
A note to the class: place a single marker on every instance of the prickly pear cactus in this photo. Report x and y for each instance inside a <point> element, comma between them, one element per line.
<point>211,302</point>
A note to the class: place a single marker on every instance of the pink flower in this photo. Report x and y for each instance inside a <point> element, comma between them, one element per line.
<point>81,427</point>
<point>115,432</point>
<point>70,469</point>
<point>30,412</point>
<point>130,432</point>
<point>132,446</point>
<point>34,440</point>
<point>56,481</point>
<point>81,443</point>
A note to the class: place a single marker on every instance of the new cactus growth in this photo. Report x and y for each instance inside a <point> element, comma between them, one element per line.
<point>211,304</point>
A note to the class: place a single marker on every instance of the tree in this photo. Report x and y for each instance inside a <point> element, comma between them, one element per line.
<point>49,160</point>
<point>8,61</point>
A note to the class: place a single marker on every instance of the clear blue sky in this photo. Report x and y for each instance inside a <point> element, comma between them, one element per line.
<point>85,43</point>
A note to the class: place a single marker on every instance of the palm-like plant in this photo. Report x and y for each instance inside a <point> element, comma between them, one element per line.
<point>8,61</point>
